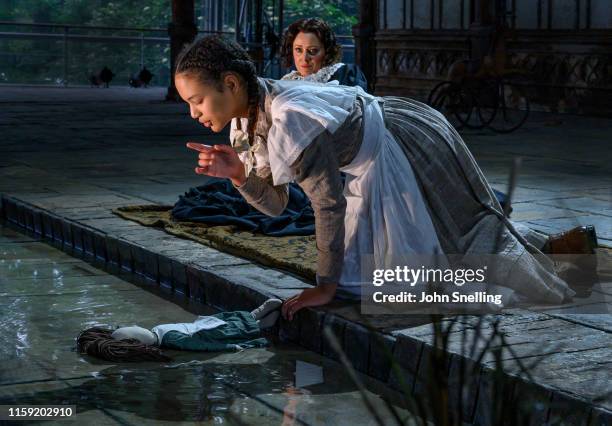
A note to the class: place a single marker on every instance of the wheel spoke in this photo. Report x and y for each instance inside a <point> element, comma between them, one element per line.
<point>514,108</point>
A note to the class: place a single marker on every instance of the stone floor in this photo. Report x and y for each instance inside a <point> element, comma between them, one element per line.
<point>65,148</point>
<point>129,141</point>
<point>565,177</point>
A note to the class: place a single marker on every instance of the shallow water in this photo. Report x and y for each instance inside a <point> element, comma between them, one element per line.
<point>47,297</point>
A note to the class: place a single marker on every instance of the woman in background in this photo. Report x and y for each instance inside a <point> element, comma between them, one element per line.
<point>310,46</point>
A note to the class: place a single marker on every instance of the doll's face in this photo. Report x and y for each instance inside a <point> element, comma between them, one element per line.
<point>213,106</point>
<point>308,53</point>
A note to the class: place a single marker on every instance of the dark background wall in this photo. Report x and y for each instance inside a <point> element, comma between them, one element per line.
<point>562,46</point>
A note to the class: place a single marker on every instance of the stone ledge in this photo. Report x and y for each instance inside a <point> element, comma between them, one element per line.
<point>201,274</point>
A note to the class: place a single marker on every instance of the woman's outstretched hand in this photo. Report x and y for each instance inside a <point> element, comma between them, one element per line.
<point>317,296</point>
<point>219,161</point>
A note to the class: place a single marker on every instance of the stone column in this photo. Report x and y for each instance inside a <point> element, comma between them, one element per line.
<point>182,30</point>
<point>363,32</point>
<point>257,51</point>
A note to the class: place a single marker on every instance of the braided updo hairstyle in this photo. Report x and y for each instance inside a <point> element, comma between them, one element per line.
<point>209,58</point>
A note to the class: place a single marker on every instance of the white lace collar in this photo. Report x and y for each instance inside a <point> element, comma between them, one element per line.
<point>321,76</point>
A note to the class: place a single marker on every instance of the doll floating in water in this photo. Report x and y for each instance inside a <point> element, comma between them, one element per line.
<point>225,331</point>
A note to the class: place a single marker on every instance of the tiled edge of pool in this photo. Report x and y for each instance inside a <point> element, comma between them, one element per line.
<point>201,274</point>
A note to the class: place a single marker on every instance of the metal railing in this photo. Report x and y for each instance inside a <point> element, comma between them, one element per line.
<point>69,54</point>
<point>61,54</point>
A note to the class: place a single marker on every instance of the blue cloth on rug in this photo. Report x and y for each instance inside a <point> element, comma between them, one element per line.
<point>217,202</point>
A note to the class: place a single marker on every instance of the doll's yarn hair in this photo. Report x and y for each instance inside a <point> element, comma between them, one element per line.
<point>208,58</point>
<point>98,342</point>
<point>318,27</point>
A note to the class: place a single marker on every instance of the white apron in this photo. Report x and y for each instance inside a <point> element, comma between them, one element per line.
<point>386,221</point>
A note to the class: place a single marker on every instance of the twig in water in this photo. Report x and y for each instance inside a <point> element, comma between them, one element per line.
<point>511,186</point>
<point>333,341</point>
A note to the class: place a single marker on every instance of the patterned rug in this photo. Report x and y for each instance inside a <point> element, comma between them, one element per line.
<point>297,254</point>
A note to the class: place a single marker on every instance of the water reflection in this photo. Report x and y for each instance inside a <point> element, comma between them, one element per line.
<point>212,391</point>
<point>294,395</point>
<point>45,300</point>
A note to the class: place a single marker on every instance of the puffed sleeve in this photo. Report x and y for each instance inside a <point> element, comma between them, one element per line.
<point>317,172</point>
<point>299,115</point>
<point>258,190</point>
